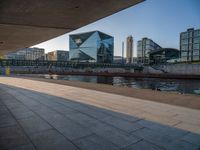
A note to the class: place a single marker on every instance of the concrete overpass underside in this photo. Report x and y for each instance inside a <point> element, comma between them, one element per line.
<point>24,23</point>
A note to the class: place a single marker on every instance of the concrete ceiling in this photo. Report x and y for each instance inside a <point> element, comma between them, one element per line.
<point>24,23</point>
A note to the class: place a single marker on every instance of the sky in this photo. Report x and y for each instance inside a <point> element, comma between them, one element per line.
<point>160,20</point>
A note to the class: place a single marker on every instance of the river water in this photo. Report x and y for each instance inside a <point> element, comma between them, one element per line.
<point>172,85</point>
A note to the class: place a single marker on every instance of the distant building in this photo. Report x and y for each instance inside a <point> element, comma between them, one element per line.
<point>135,60</point>
<point>144,47</point>
<point>58,55</point>
<point>34,53</point>
<point>129,49</point>
<point>51,56</point>
<point>27,54</point>
<point>190,45</point>
<point>19,55</point>
<point>46,56</point>
<point>163,55</point>
<point>92,46</point>
<point>118,59</point>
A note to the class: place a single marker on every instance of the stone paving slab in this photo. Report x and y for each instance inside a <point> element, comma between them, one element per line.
<point>34,124</point>
<point>37,115</point>
<point>21,114</point>
<point>25,147</point>
<point>181,145</point>
<point>95,142</point>
<point>154,137</point>
<point>7,120</point>
<point>116,136</point>
<point>11,137</point>
<point>192,138</point>
<point>74,131</point>
<point>143,145</point>
<point>51,140</point>
<point>122,124</point>
<point>163,129</point>
<point>82,119</point>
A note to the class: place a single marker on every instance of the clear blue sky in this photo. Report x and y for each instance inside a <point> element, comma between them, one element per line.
<point>160,20</point>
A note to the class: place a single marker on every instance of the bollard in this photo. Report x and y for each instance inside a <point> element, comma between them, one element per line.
<point>7,71</point>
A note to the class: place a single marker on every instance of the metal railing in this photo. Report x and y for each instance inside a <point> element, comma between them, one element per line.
<point>37,63</point>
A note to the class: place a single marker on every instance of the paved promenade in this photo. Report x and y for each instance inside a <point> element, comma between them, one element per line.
<point>41,115</point>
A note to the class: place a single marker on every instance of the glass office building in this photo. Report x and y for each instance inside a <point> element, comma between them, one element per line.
<point>34,53</point>
<point>162,55</point>
<point>92,46</point>
<point>190,45</point>
<point>144,47</point>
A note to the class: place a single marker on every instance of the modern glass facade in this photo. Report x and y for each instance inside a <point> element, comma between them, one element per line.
<point>163,55</point>
<point>92,46</point>
<point>190,45</point>
<point>144,47</point>
<point>62,55</point>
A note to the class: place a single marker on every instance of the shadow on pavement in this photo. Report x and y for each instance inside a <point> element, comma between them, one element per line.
<point>34,120</point>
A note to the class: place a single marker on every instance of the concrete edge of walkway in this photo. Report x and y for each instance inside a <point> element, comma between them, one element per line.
<point>172,98</point>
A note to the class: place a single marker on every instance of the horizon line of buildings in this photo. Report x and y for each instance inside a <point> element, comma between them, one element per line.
<point>36,53</point>
<point>96,46</point>
<point>149,51</point>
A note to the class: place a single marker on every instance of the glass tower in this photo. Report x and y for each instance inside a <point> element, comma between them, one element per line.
<point>92,46</point>
<point>144,47</point>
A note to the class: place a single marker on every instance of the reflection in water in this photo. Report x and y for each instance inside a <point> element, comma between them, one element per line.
<point>181,86</point>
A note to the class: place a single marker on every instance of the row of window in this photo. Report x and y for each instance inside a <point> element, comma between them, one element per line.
<point>190,40</point>
<point>195,33</point>
<point>190,47</point>
<point>194,53</point>
<point>186,41</point>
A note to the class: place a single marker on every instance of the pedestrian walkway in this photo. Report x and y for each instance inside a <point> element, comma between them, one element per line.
<point>41,115</point>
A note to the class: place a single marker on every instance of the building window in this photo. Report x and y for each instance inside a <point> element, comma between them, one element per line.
<point>184,35</point>
<point>184,41</point>
<point>184,53</point>
<point>184,47</point>
<point>196,46</point>
<point>197,33</point>
<point>197,40</point>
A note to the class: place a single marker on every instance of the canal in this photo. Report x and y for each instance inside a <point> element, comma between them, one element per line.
<point>171,85</point>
